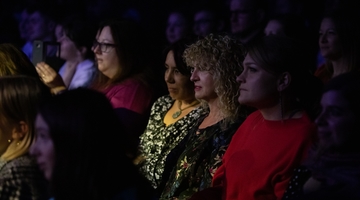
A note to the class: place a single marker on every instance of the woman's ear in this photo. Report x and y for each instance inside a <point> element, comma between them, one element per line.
<point>20,130</point>
<point>284,81</point>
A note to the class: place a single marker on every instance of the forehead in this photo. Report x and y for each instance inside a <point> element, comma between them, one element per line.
<point>176,17</point>
<point>248,59</point>
<point>334,98</point>
<point>327,22</point>
<point>105,35</point>
<point>274,23</point>
<point>204,14</point>
<point>36,15</point>
<point>170,56</point>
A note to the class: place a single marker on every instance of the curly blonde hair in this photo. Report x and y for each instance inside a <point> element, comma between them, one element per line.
<point>222,55</point>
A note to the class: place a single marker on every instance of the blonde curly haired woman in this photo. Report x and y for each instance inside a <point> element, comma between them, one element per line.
<point>215,61</point>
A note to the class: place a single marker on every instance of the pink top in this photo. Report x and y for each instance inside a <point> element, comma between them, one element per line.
<point>130,94</point>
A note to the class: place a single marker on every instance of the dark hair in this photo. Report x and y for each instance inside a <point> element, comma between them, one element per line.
<point>132,49</point>
<point>90,147</point>
<point>47,9</point>
<point>81,31</point>
<point>278,54</point>
<point>178,48</point>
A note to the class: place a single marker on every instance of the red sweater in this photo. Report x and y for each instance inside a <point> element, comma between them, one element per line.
<point>261,157</point>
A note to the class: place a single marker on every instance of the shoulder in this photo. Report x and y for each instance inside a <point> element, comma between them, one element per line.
<point>305,122</point>
<point>86,64</point>
<point>23,161</point>
<point>21,170</point>
<point>254,116</point>
<point>164,99</point>
<point>323,73</point>
<point>23,164</point>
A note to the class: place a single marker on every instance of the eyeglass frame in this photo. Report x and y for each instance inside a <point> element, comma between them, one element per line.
<point>102,46</point>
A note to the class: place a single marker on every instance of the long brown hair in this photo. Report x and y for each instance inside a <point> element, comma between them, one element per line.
<point>19,98</point>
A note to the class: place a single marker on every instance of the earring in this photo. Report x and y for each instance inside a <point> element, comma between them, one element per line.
<point>9,140</point>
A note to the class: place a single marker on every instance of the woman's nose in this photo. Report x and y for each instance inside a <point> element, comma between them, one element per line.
<point>240,78</point>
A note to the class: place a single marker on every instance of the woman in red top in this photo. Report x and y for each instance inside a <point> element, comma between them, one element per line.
<point>273,140</point>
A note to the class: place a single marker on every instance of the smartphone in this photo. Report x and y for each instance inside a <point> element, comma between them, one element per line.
<point>48,52</point>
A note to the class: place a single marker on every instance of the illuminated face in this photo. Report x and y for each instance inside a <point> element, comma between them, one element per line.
<point>176,27</point>
<point>179,86</point>
<point>204,86</point>
<point>43,147</point>
<point>108,61</point>
<point>337,122</point>
<point>258,88</point>
<point>329,43</point>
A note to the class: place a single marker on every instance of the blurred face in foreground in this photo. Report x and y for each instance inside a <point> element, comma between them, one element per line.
<point>43,147</point>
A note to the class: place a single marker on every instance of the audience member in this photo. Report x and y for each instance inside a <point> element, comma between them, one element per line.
<point>40,26</point>
<point>332,169</point>
<point>248,19</point>
<point>294,26</point>
<point>273,140</point>
<point>178,25</point>
<point>171,115</point>
<point>70,129</point>
<point>214,61</point>
<point>209,18</point>
<point>288,24</point>
<point>339,44</point>
<point>20,176</point>
<point>75,36</point>
<point>125,73</point>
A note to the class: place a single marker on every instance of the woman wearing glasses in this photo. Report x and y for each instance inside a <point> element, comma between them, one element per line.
<point>121,56</point>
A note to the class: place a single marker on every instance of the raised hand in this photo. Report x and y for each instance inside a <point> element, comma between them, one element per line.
<point>49,76</point>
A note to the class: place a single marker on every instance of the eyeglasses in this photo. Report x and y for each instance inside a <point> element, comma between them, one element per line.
<point>104,47</point>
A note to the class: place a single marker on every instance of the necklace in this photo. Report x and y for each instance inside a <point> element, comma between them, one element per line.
<point>178,113</point>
